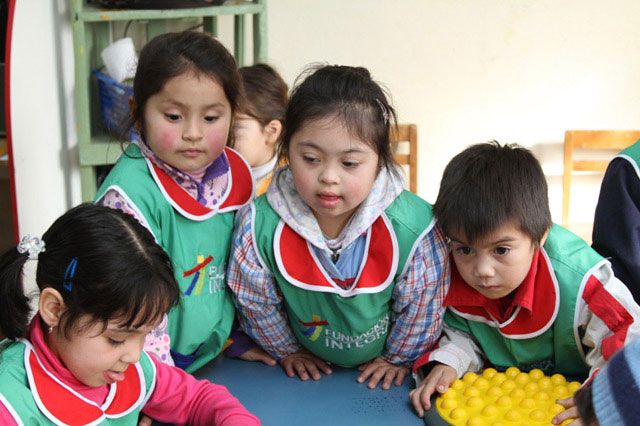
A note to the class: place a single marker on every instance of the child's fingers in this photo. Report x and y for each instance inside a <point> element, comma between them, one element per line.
<point>301,368</point>
<point>566,403</point>
<point>367,370</point>
<point>323,366</point>
<point>375,378</point>
<point>569,413</point>
<point>400,376</point>
<point>311,368</point>
<point>414,396</point>
<point>389,375</point>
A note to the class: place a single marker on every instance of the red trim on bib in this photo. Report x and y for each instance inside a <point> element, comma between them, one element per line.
<point>300,264</point>
<point>69,407</point>
<point>239,178</point>
<point>242,189</point>
<point>522,322</point>
<point>611,312</point>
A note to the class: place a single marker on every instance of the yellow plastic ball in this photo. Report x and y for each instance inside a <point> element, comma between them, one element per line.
<point>537,415</point>
<point>528,403</point>
<point>499,378</point>
<point>458,385</point>
<point>475,421</point>
<point>475,402</point>
<point>471,392</point>
<point>497,424</point>
<point>522,378</point>
<point>545,383</point>
<point>560,391</point>
<point>494,392</point>
<point>536,374</point>
<point>531,387</point>
<point>469,377</point>
<point>504,401</point>
<point>481,383</point>
<point>556,409</point>
<point>490,411</point>
<point>517,393</point>
<point>458,414</point>
<point>449,404</point>
<point>489,372</point>
<point>512,372</point>
<point>508,385</point>
<point>573,387</point>
<point>449,393</point>
<point>558,379</point>
<point>512,416</point>
<point>541,396</point>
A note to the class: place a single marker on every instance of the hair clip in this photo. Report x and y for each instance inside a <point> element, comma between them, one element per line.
<point>385,113</point>
<point>67,282</point>
<point>33,245</point>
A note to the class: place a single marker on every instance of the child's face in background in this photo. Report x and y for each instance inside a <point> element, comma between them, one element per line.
<point>186,124</point>
<point>96,357</point>
<point>496,264</point>
<point>333,171</point>
<point>252,141</point>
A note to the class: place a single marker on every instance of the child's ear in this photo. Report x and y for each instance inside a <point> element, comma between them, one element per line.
<point>544,238</point>
<point>273,130</point>
<point>133,113</point>
<point>51,306</point>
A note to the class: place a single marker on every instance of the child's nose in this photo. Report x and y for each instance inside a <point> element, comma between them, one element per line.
<point>132,352</point>
<point>192,130</point>
<point>484,267</point>
<point>329,174</point>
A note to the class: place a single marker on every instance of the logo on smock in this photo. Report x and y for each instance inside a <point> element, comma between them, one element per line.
<point>215,275</point>
<point>314,328</point>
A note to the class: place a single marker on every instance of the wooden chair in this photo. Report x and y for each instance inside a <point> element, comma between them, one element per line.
<point>589,139</point>
<point>407,135</point>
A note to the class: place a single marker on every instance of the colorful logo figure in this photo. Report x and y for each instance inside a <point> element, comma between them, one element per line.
<point>198,273</point>
<point>314,330</point>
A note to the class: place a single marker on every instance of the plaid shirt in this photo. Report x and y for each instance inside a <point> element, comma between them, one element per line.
<point>417,310</point>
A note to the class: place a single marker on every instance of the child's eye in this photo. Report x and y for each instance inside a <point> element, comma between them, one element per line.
<point>309,159</point>
<point>464,250</point>
<point>116,342</point>
<point>349,164</point>
<point>172,117</point>
<point>211,118</point>
<point>501,251</point>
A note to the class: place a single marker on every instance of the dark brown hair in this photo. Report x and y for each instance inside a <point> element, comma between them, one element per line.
<point>487,185</point>
<point>265,93</point>
<point>172,54</point>
<point>119,272</point>
<point>348,94</point>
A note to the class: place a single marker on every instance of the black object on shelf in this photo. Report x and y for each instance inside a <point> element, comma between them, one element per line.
<point>156,4</point>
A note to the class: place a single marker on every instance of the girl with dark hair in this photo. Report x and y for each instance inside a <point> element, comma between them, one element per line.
<point>356,260</point>
<point>258,124</point>
<point>104,284</point>
<point>181,182</point>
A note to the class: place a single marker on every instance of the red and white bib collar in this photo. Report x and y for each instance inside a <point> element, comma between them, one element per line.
<point>239,192</point>
<point>64,406</point>
<point>299,265</point>
<point>526,323</point>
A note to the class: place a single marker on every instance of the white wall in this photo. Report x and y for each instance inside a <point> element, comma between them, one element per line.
<point>464,71</point>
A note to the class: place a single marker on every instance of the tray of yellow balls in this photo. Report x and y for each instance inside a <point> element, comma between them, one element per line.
<point>512,398</point>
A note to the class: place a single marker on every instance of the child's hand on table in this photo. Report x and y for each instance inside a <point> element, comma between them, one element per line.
<point>381,369</point>
<point>570,412</point>
<point>304,364</point>
<point>257,354</point>
<point>439,379</point>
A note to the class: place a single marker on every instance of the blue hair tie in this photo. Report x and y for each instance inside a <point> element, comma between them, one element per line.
<point>67,282</point>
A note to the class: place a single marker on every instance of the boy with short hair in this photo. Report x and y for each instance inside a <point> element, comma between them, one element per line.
<point>524,292</point>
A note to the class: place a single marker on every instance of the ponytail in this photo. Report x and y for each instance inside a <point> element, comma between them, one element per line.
<point>14,304</point>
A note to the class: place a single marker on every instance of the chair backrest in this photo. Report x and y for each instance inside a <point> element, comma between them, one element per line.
<point>407,156</point>
<point>590,139</point>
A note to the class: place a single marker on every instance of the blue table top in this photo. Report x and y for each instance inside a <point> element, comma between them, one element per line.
<point>336,399</point>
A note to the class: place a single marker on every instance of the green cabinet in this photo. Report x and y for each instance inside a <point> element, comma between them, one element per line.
<point>91,34</point>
